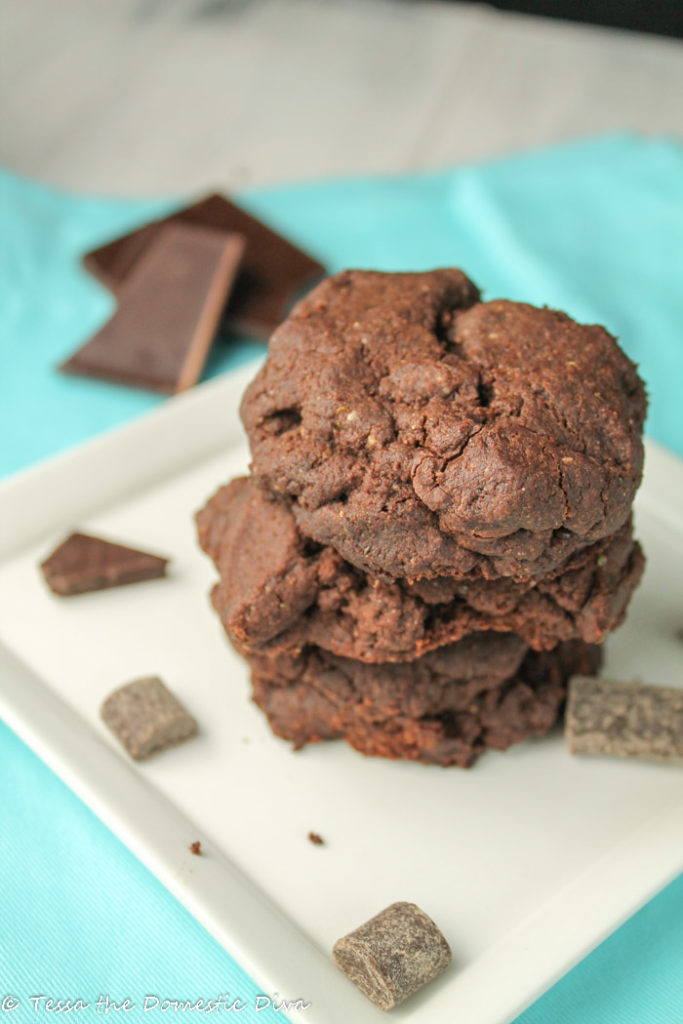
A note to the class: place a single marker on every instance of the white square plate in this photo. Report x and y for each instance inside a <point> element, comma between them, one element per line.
<point>525,862</point>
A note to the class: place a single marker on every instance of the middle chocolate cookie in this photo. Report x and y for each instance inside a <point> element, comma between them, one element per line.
<point>279,591</point>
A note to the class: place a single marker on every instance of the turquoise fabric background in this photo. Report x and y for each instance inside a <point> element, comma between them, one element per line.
<point>593,227</point>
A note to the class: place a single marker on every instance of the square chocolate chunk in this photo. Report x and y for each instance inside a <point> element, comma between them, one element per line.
<point>393,954</point>
<point>147,718</point>
<point>624,720</point>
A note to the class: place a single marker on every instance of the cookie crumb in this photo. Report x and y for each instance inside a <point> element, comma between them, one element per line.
<point>196,849</point>
<point>316,839</point>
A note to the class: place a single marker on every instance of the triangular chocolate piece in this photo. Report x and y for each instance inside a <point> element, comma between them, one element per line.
<point>273,272</point>
<point>83,563</point>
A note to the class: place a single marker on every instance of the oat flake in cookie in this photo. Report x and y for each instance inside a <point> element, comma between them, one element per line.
<point>421,432</point>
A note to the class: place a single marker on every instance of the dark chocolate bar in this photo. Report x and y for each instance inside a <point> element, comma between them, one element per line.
<point>272,275</point>
<point>169,309</point>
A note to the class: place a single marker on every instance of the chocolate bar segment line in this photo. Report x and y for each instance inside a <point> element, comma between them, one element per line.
<point>169,310</point>
<point>393,954</point>
<point>624,720</point>
<point>273,273</point>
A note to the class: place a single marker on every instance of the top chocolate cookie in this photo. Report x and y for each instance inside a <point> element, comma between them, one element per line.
<point>421,432</point>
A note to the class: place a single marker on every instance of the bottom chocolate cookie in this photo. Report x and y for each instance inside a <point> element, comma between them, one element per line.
<point>448,707</point>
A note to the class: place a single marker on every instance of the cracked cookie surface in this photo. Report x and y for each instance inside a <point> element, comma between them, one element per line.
<point>421,432</point>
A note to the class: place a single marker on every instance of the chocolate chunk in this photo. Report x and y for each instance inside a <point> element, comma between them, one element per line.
<point>393,954</point>
<point>316,839</point>
<point>625,720</point>
<point>147,718</point>
<point>83,563</point>
<point>196,848</point>
<point>170,307</point>
<point>273,272</point>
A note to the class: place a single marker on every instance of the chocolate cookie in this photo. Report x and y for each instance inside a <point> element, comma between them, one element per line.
<point>423,433</point>
<point>446,708</point>
<point>278,591</point>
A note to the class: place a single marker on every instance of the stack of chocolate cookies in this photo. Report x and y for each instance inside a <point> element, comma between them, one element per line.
<point>437,530</point>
